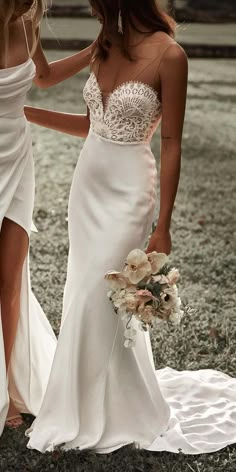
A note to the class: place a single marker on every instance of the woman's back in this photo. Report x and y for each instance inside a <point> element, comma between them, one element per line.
<point>19,44</point>
<point>16,78</point>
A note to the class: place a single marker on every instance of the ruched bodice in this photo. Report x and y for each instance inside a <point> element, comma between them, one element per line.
<point>131,113</point>
<point>15,82</point>
<point>16,190</point>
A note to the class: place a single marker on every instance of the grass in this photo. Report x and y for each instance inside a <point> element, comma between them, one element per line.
<point>203,248</point>
<point>18,459</point>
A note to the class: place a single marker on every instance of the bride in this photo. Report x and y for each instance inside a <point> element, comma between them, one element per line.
<point>101,395</point>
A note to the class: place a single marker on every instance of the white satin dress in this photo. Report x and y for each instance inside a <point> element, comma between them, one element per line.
<point>101,395</point>
<point>35,342</point>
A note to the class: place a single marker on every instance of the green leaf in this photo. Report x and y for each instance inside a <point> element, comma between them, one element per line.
<point>164,270</point>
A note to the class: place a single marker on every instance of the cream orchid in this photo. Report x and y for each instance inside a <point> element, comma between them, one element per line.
<point>157,260</point>
<point>116,280</point>
<point>137,266</point>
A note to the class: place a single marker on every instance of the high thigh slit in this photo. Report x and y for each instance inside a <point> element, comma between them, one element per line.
<point>34,346</point>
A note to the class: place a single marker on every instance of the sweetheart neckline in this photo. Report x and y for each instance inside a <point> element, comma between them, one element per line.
<point>120,86</point>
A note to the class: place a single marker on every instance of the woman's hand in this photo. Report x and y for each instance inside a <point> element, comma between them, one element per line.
<point>160,242</point>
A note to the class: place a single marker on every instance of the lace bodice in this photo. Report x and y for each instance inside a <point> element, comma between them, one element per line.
<point>130,114</point>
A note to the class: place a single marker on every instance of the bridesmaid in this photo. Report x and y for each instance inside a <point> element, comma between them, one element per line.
<point>26,337</point>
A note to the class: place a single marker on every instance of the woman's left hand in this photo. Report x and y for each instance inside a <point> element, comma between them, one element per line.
<point>160,242</point>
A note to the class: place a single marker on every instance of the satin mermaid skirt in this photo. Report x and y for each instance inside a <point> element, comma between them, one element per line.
<point>35,343</point>
<point>101,395</point>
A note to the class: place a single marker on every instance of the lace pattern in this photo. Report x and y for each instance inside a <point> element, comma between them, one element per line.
<point>131,112</point>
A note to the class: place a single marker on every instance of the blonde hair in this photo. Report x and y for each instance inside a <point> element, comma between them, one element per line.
<point>34,15</point>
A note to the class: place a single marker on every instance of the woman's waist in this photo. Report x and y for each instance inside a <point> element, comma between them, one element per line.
<point>13,126</point>
<point>124,132</point>
<point>15,138</point>
<point>99,138</point>
<point>113,160</point>
<point>12,108</point>
<point>117,153</point>
<point>12,113</point>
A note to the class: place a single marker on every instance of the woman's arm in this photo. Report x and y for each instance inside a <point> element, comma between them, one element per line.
<point>173,76</point>
<point>76,125</point>
<point>49,74</point>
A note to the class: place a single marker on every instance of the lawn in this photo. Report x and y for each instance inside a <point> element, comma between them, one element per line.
<point>203,248</point>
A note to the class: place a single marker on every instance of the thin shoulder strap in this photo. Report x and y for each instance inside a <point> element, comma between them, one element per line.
<point>156,59</point>
<point>26,38</point>
<point>145,68</point>
<point>163,54</point>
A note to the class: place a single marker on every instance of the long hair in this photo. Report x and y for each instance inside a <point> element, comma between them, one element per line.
<point>141,15</point>
<point>34,15</point>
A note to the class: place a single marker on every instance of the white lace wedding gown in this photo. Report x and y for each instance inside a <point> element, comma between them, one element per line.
<point>101,395</point>
<point>35,342</point>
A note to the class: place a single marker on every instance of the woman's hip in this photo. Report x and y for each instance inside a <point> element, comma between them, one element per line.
<point>122,170</point>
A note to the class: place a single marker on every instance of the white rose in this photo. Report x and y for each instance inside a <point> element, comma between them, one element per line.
<point>146,313</point>
<point>118,298</point>
<point>130,303</point>
<point>129,343</point>
<point>130,333</point>
<point>176,317</point>
<point>173,276</point>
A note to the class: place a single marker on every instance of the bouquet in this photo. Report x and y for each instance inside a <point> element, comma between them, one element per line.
<point>145,290</point>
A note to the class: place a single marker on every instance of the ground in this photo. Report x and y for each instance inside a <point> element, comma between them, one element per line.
<point>203,249</point>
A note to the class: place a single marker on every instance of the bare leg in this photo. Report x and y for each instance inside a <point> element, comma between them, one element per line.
<point>13,250</point>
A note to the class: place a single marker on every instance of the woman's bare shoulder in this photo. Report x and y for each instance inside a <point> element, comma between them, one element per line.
<point>174,55</point>
<point>160,37</point>
<point>165,48</point>
<point>174,63</point>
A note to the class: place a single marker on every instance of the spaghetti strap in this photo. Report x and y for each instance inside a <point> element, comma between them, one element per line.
<point>153,64</point>
<point>26,38</point>
<point>162,56</point>
<point>156,59</point>
<point>146,67</point>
